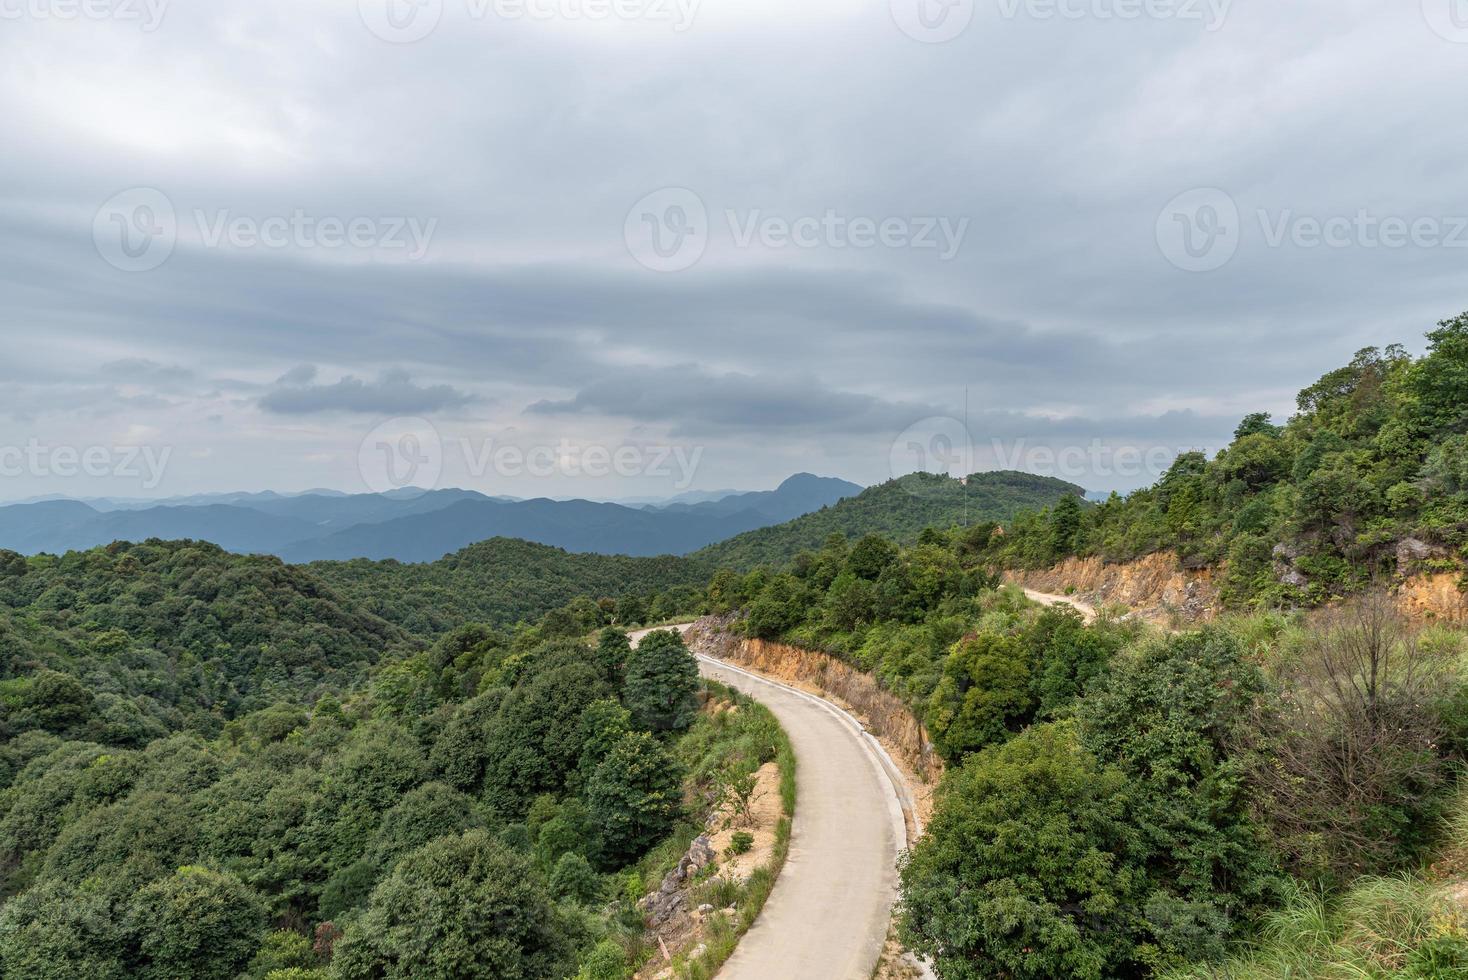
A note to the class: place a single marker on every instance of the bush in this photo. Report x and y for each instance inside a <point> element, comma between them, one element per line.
<point>741,843</point>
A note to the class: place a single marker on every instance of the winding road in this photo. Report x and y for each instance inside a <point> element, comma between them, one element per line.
<point>828,915</point>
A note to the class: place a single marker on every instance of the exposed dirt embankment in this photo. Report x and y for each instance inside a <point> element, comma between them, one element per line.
<point>883,713</point>
<point>1434,597</point>
<point>1156,588</point>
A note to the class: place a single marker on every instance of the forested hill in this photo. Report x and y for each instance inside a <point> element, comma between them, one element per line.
<point>899,508</point>
<point>1368,479</point>
<point>502,581</point>
<point>125,643</point>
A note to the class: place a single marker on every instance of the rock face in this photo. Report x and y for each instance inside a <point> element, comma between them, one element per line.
<point>1285,570</point>
<point>671,897</point>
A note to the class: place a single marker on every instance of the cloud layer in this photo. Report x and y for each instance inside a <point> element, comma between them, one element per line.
<point>254,311</point>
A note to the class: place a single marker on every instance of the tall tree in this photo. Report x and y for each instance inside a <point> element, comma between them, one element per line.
<point>662,683</point>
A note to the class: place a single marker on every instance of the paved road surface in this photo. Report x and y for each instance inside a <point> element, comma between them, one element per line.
<point>828,914</point>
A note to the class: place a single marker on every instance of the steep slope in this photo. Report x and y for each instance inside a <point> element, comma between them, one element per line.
<point>899,508</point>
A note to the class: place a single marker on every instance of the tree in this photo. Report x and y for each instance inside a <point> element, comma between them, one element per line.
<point>661,690</point>
<point>778,607</point>
<point>196,923</point>
<point>60,931</point>
<point>603,723</point>
<point>869,556</point>
<point>1065,526</point>
<point>1167,716</point>
<point>634,796</point>
<point>1346,767</point>
<point>1024,873</point>
<point>426,813</point>
<point>983,697</point>
<point>462,906</point>
<point>1256,423</point>
<point>612,650</point>
<point>573,878</point>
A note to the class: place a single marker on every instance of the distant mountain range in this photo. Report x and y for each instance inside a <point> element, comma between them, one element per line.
<point>410,526</point>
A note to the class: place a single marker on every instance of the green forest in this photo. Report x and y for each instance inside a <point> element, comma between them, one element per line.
<point>899,508</point>
<point>213,766</point>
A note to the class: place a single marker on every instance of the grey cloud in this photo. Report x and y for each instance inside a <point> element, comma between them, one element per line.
<point>696,401</point>
<point>394,393</point>
<point>1058,320</point>
<point>301,374</point>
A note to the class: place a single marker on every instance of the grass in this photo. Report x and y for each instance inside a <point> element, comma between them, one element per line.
<point>1402,927</point>
<point>723,931</point>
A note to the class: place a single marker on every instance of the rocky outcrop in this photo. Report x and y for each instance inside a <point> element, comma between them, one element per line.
<point>671,898</point>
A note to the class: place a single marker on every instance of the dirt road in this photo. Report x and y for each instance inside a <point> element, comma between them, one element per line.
<point>827,917</point>
<point>1087,611</point>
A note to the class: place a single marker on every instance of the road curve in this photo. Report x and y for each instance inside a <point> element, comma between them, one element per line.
<point>1087,611</point>
<point>827,917</point>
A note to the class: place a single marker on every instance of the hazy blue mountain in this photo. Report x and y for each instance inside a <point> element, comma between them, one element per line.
<point>406,525</point>
<point>800,494</point>
<point>60,526</point>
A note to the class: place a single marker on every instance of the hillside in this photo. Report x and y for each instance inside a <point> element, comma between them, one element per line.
<point>1368,480</point>
<point>500,581</point>
<point>899,508</point>
<point>125,643</point>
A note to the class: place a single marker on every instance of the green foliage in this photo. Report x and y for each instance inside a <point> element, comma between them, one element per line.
<point>741,842</point>
<point>197,923</point>
<point>634,796</point>
<point>661,689</point>
<point>1024,871</point>
<point>460,906</point>
<point>984,696</point>
<point>125,643</point>
<point>573,878</point>
<point>502,581</point>
<point>607,961</point>
<point>1382,927</point>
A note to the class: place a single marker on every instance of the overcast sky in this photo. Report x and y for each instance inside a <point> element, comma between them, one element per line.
<point>296,243</point>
